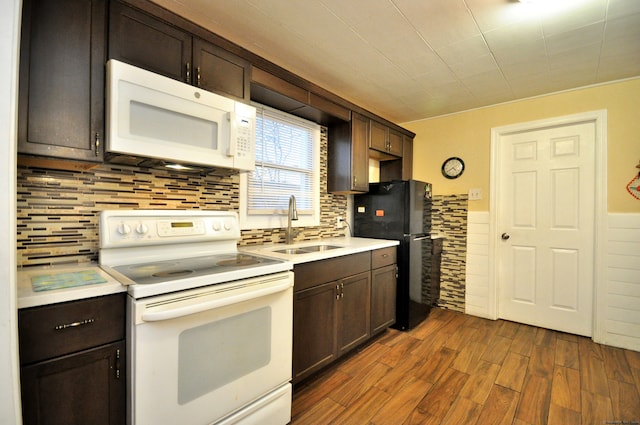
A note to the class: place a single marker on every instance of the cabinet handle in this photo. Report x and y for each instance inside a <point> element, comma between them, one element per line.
<point>96,143</point>
<point>198,76</point>
<point>188,79</point>
<point>74,324</point>
<point>118,364</point>
<point>337,292</point>
<point>341,290</point>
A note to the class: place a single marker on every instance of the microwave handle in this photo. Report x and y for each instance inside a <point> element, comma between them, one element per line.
<point>233,134</point>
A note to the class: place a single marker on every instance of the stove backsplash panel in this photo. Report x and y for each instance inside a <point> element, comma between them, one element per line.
<point>57,211</point>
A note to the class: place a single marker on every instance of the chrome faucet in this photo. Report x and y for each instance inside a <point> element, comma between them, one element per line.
<point>291,215</point>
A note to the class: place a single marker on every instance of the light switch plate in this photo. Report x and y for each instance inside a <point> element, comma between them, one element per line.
<point>475,194</point>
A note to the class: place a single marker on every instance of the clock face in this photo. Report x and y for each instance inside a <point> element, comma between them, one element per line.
<point>452,168</point>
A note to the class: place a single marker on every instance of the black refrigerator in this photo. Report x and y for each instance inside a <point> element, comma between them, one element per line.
<point>401,210</point>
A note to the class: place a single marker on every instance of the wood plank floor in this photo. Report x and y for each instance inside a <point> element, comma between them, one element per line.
<point>459,369</point>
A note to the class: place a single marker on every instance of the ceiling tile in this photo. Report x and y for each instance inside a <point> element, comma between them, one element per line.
<point>474,66</point>
<point>622,8</point>
<point>531,50</point>
<point>462,50</point>
<point>439,22</point>
<point>562,16</point>
<point>590,35</point>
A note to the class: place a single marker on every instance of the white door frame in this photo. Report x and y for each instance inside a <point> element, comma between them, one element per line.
<point>599,118</point>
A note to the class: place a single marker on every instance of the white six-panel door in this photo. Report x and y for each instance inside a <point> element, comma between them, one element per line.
<point>546,223</point>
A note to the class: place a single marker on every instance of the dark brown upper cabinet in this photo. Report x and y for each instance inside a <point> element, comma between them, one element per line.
<point>348,156</point>
<point>385,140</point>
<point>271,90</point>
<point>143,40</point>
<point>61,89</point>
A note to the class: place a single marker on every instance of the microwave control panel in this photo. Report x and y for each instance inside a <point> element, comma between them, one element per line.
<point>243,138</point>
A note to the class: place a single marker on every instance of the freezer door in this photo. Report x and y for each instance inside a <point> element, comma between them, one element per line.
<point>392,210</point>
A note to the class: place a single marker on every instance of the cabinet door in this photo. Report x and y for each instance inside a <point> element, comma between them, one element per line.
<point>217,70</point>
<point>348,156</point>
<point>79,389</point>
<point>360,153</point>
<point>383,298</point>
<point>395,143</point>
<point>353,311</point>
<point>144,41</point>
<point>379,136</point>
<point>314,329</point>
<point>61,92</point>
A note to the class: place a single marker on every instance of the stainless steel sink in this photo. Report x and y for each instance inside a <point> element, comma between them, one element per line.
<point>319,248</point>
<point>291,251</point>
<point>306,249</point>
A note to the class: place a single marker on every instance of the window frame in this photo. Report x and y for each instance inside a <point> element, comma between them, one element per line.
<point>278,219</point>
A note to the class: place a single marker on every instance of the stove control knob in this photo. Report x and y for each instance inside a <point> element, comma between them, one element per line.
<point>142,229</point>
<point>227,225</point>
<point>124,229</point>
<point>216,226</point>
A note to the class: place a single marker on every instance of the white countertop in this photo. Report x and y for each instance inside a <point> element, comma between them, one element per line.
<point>27,297</point>
<point>347,245</point>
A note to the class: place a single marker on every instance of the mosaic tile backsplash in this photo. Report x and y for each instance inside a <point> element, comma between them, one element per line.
<point>58,211</point>
<point>449,217</point>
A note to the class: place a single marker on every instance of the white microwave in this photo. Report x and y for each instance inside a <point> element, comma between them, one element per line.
<point>152,116</point>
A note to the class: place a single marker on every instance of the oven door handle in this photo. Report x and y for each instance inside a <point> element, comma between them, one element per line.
<point>216,301</point>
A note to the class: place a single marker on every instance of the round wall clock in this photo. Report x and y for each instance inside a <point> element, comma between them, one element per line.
<point>453,167</point>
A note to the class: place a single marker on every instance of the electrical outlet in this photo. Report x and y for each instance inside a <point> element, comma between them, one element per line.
<point>339,223</point>
<point>475,194</point>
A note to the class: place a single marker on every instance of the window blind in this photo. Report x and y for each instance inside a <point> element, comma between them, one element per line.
<point>284,164</point>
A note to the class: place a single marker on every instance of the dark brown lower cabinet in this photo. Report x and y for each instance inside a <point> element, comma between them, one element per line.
<point>383,297</point>
<point>353,311</point>
<point>314,329</point>
<point>78,389</point>
<point>339,303</point>
<point>384,278</point>
<point>329,320</point>
<point>73,362</point>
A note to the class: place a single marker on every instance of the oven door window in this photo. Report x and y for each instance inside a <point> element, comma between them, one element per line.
<point>215,354</point>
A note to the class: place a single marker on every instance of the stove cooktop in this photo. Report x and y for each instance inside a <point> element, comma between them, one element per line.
<point>157,252</point>
<point>171,270</point>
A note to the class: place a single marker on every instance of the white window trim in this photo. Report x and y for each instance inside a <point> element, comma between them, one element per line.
<point>279,219</point>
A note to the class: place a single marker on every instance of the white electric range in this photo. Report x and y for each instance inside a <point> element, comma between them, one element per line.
<point>209,329</point>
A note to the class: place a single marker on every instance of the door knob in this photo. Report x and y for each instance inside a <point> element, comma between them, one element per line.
<point>505,236</point>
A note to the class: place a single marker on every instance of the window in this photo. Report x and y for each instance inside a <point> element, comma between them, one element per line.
<point>287,163</point>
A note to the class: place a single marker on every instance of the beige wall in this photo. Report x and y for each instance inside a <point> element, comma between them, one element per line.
<point>468,135</point>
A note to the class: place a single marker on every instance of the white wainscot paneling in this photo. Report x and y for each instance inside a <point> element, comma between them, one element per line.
<point>622,327</point>
<point>477,300</point>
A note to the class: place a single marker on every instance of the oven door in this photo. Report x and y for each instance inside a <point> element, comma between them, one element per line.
<point>199,356</point>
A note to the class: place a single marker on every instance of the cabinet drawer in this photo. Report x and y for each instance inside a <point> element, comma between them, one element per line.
<point>314,273</point>
<point>383,257</point>
<point>54,330</point>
